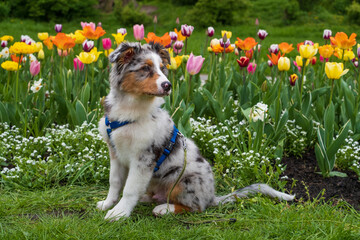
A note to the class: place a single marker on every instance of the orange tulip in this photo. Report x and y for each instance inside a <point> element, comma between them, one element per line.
<point>275,58</point>
<point>63,42</point>
<point>92,34</point>
<point>219,49</point>
<point>165,40</point>
<point>285,47</point>
<point>247,44</point>
<point>180,36</point>
<point>342,41</point>
<point>326,51</point>
<point>48,42</point>
<point>17,59</point>
<point>249,54</point>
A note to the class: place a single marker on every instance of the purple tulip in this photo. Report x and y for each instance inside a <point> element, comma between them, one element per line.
<point>358,52</point>
<point>138,32</point>
<point>173,36</point>
<point>194,64</point>
<point>210,31</point>
<point>122,31</point>
<point>186,30</point>
<point>274,48</point>
<point>178,45</point>
<point>4,43</point>
<point>262,34</point>
<point>270,64</point>
<point>356,64</point>
<point>106,43</point>
<point>58,28</point>
<point>88,45</point>
<point>34,68</point>
<point>327,34</point>
<point>78,65</point>
<point>226,44</point>
<point>309,42</point>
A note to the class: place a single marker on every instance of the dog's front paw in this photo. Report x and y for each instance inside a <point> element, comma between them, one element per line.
<point>113,215</point>
<point>104,205</point>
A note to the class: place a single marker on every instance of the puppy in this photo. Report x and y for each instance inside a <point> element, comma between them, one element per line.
<point>146,150</point>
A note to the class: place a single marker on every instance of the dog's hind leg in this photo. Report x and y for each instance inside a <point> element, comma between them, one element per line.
<point>173,208</point>
<point>118,175</point>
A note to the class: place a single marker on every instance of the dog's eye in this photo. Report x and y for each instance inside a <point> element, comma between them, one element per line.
<point>145,68</point>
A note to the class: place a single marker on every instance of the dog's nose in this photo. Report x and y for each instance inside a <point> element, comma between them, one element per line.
<point>166,86</point>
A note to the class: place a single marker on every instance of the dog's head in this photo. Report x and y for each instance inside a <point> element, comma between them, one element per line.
<point>140,69</point>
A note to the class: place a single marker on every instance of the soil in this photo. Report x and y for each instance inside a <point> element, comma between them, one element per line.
<point>310,184</point>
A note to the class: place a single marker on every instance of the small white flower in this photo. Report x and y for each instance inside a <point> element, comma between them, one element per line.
<point>5,53</point>
<point>37,86</point>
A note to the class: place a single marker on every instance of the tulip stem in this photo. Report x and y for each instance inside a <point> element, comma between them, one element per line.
<point>185,45</point>
<point>189,89</point>
<point>332,90</point>
<point>302,80</point>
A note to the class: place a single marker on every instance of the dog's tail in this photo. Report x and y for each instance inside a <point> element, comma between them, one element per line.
<point>252,189</point>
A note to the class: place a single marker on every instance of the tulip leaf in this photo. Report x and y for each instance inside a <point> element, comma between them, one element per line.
<point>329,124</point>
<point>306,104</point>
<point>80,112</point>
<point>3,113</point>
<point>338,142</point>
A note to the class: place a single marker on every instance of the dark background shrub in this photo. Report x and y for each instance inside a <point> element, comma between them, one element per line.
<point>130,14</point>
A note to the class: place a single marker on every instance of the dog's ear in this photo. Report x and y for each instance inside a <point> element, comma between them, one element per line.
<point>161,50</point>
<point>124,53</point>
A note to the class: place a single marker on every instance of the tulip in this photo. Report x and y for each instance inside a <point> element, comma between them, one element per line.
<point>227,33</point>
<point>173,64</point>
<point>327,34</point>
<point>63,53</point>
<point>342,41</point>
<point>251,68</point>
<point>307,51</point>
<point>299,61</point>
<point>309,42</point>
<point>88,45</point>
<point>106,43</point>
<point>155,20</point>
<point>86,58</point>
<point>274,48</point>
<point>356,64</point>
<point>358,51</point>
<point>296,65</point>
<point>262,34</point>
<point>4,44</point>
<point>270,64</point>
<point>249,54</point>
<point>326,51</point>
<point>284,64</point>
<point>186,30</point>
<point>210,31</point>
<point>178,45</point>
<point>58,28</point>
<point>122,31</point>
<point>194,64</point>
<point>41,54</point>
<point>243,61</point>
<point>335,70</point>
<point>42,36</point>
<point>34,68</point>
<point>78,65</point>
<point>99,24</point>
<point>224,44</point>
<point>177,21</point>
<point>138,32</point>
<point>173,36</point>
<point>293,78</point>
<point>90,24</point>
<point>313,60</point>
<point>257,22</point>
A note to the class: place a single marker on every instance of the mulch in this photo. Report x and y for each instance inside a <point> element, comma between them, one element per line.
<point>310,184</point>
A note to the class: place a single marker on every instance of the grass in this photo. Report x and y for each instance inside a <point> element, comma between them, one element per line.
<point>69,213</point>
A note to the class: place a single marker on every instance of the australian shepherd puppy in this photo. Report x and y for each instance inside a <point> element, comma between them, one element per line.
<point>138,132</point>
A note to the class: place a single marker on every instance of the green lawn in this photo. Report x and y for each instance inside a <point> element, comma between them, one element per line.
<point>69,213</point>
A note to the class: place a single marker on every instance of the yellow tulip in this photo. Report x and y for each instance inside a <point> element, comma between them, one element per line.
<point>41,54</point>
<point>22,48</point>
<point>299,61</point>
<point>7,38</point>
<point>107,52</point>
<point>228,34</point>
<point>307,51</point>
<point>335,70</point>
<point>86,57</point>
<point>10,66</point>
<point>79,38</point>
<point>284,64</point>
<point>37,46</point>
<point>95,53</point>
<point>119,38</point>
<point>172,65</point>
<point>42,36</point>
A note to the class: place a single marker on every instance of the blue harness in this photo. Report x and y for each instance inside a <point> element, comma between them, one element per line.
<point>116,124</point>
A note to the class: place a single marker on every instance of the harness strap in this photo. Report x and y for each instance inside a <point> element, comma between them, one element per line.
<point>167,149</point>
<point>113,125</point>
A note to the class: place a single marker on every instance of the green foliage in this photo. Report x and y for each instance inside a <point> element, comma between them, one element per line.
<point>353,12</point>
<point>184,2</point>
<point>4,10</point>
<point>129,15</point>
<point>52,9</point>
<point>212,12</point>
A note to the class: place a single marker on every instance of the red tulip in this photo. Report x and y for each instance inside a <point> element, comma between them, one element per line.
<point>243,61</point>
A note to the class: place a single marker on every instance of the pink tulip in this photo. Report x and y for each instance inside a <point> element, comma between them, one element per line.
<point>106,43</point>
<point>194,64</point>
<point>90,24</point>
<point>257,22</point>
<point>177,21</point>
<point>251,67</point>
<point>78,65</point>
<point>186,30</point>
<point>34,68</point>
<point>138,32</point>
<point>299,68</point>
<point>63,53</point>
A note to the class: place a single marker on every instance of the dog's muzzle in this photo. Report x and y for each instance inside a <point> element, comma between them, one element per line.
<point>166,86</point>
